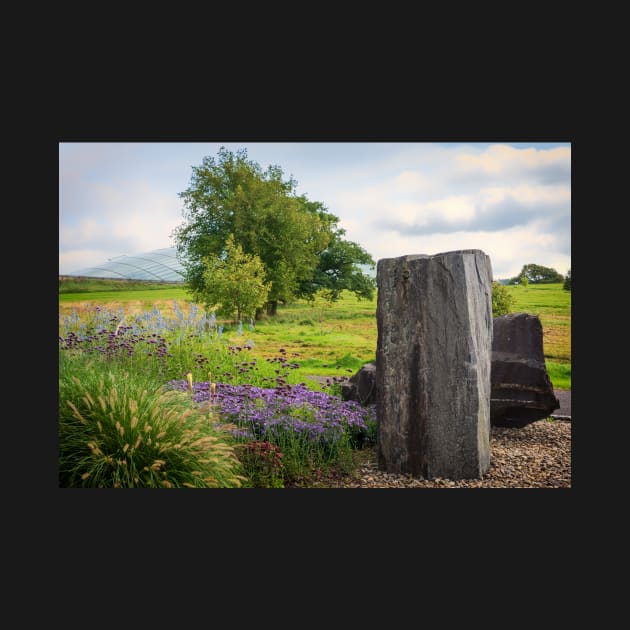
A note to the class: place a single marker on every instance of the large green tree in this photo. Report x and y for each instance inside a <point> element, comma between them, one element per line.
<point>231,194</point>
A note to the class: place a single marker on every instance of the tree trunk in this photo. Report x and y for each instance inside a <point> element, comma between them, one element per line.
<point>259,313</point>
<point>272,308</point>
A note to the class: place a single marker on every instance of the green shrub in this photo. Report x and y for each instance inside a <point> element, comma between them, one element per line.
<point>262,463</point>
<point>502,300</point>
<point>122,430</point>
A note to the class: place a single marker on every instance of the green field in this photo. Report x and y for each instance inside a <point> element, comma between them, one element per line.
<point>145,296</point>
<point>72,284</point>
<point>553,305</point>
<point>335,340</point>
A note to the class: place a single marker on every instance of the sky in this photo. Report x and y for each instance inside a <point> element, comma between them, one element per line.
<point>510,200</point>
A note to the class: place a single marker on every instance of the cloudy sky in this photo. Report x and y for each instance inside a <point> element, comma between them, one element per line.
<point>511,200</point>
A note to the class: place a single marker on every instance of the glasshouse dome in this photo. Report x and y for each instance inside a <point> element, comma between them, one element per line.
<point>159,265</point>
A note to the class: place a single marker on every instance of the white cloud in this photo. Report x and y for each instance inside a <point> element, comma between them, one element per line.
<point>527,194</point>
<point>508,250</point>
<point>502,200</point>
<point>503,159</point>
<point>87,231</point>
<point>411,181</point>
<point>79,259</point>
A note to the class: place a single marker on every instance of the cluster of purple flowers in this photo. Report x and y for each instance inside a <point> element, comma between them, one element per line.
<point>262,413</point>
<point>115,342</point>
<point>118,335</point>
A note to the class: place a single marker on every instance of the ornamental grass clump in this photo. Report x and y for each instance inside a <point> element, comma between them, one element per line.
<point>123,430</point>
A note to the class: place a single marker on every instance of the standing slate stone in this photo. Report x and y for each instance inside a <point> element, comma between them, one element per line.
<point>433,359</point>
<point>521,390</point>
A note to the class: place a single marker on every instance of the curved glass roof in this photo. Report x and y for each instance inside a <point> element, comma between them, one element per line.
<point>159,265</point>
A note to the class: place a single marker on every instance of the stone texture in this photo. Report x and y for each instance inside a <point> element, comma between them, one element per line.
<point>361,387</point>
<point>521,390</point>
<point>433,360</point>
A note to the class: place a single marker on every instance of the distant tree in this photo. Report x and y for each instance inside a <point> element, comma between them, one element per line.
<point>537,274</point>
<point>234,285</point>
<point>339,270</point>
<point>502,300</point>
<point>524,281</point>
<point>567,281</point>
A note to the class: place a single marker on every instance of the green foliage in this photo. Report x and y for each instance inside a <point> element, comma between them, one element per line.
<point>567,281</point>
<point>262,464</point>
<point>120,429</point>
<point>303,457</point>
<point>289,233</point>
<point>234,285</point>
<point>363,437</point>
<point>350,362</point>
<point>537,274</point>
<point>338,271</point>
<point>502,300</point>
<point>524,281</point>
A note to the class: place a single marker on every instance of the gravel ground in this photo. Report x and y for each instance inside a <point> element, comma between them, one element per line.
<point>536,456</point>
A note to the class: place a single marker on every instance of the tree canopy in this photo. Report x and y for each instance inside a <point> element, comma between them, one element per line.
<point>537,274</point>
<point>337,270</point>
<point>298,241</point>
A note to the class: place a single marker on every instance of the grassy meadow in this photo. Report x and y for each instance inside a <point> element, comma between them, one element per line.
<point>329,340</point>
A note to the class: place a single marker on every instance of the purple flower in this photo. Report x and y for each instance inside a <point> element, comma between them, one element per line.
<point>316,416</point>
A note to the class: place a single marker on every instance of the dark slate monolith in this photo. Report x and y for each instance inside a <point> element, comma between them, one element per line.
<point>361,387</point>
<point>521,390</point>
<point>434,323</point>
